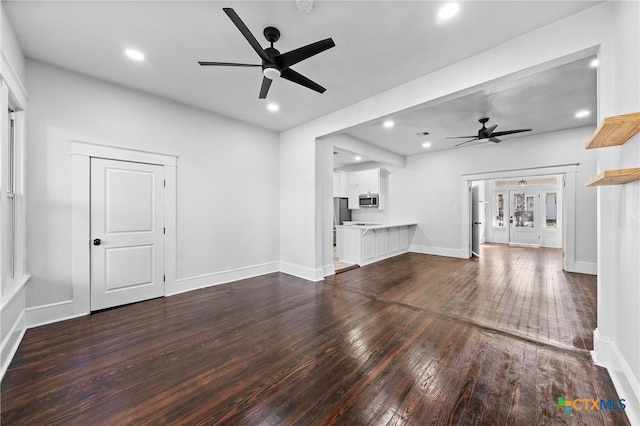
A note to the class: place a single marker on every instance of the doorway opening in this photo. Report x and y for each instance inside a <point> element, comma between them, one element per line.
<point>528,207</point>
<point>524,210</point>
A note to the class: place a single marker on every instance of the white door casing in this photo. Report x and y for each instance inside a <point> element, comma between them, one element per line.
<point>127,232</point>
<point>475,221</point>
<point>567,206</point>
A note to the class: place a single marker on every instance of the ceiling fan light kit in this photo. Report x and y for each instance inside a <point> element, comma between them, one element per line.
<point>271,73</point>
<point>276,64</point>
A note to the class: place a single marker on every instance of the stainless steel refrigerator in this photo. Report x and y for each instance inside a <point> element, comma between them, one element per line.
<point>341,213</point>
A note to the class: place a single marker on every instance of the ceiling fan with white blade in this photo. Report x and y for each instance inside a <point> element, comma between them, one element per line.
<point>275,64</point>
<point>488,133</point>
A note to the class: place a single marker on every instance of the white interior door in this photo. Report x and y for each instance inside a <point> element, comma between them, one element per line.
<point>524,225</point>
<point>127,232</point>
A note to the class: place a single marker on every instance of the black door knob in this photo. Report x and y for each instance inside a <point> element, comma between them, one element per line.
<point>97,242</point>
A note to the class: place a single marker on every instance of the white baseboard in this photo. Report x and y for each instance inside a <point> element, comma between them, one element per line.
<point>201,281</point>
<point>606,354</point>
<point>11,343</point>
<point>590,268</point>
<point>12,313</point>
<point>439,251</point>
<point>50,313</point>
<point>328,270</point>
<point>524,245</point>
<point>303,272</point>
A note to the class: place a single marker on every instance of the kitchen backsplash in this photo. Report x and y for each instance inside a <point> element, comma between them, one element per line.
<point>369,215</point>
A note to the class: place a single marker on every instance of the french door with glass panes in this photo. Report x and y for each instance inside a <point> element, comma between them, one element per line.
<point>523,221</point>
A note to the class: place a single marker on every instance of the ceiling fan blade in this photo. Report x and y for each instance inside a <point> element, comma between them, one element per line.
<point>291,75</point>
<point>292,57</point>
<point>508,132</point>
<point>462,143</point>
<point>488,130</point>
<point>246,33</point>
<point>226,64</point>
<point>462,137</point>
<point>264,89</point>
<point>496,140</point>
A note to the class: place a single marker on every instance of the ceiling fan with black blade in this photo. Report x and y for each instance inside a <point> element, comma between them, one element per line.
<point>488,133</point>
<point>276,64</point>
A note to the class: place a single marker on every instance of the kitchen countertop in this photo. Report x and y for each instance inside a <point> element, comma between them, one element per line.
<point>375,225</point>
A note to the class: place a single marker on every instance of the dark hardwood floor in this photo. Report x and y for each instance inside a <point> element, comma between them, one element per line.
<point>413,340</point>
<point>512,289</point>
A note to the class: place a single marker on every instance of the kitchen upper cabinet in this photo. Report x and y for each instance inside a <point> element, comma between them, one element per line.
<point>370,181</point>
<point>340,184</point>
<point>353,190</point>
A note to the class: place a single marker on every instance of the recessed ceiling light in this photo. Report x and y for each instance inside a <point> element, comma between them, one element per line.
<point>136,55</point>
<point>357,158</point>
<point>426,144</point>
<point>273,107</point>
<point>594,63</point>
<point>582,114</point>
<point>448,11</point>
<point>388,124</point>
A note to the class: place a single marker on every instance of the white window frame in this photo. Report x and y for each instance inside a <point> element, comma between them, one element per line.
<point>11,198</point>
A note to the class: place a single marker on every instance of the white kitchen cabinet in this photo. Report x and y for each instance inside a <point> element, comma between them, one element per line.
<point>382,242</point>
<point>340,184</point>
<point>370,181</point>
<point>394,244</point>
<point>353,189</point>
<point>368,247</point>
<point>366,244</point>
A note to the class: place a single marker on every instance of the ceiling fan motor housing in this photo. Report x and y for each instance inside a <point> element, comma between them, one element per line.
<point>271,70</point>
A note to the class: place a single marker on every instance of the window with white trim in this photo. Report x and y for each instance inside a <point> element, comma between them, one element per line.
<point>11,196</point>
<point>551,209</point>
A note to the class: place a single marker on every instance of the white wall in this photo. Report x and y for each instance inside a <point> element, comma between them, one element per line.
<point>617,339</point>
<point>12,289</point>
<point>227,177</point>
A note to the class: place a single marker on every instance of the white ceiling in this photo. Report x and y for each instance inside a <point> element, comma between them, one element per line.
<point>544,101</point>
<point>379,45</point>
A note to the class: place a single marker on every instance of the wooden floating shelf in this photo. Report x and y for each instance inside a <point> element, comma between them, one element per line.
<point>615,130</point>
<point>614,177</point>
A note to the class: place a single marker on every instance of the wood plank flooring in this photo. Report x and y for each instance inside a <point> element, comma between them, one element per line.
<point>512,289</point>
<point>399,342</point>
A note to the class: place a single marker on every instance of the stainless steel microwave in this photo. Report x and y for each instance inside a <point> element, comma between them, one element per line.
<point>368,200</point>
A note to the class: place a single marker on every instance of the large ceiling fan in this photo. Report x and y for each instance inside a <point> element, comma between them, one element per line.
<point>276,64</point>
<point>488,133</point>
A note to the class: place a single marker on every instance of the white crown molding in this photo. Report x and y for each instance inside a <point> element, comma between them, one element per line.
<point>16,87</point>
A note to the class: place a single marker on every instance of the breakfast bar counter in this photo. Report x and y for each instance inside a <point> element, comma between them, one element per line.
<point>365,243</point>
